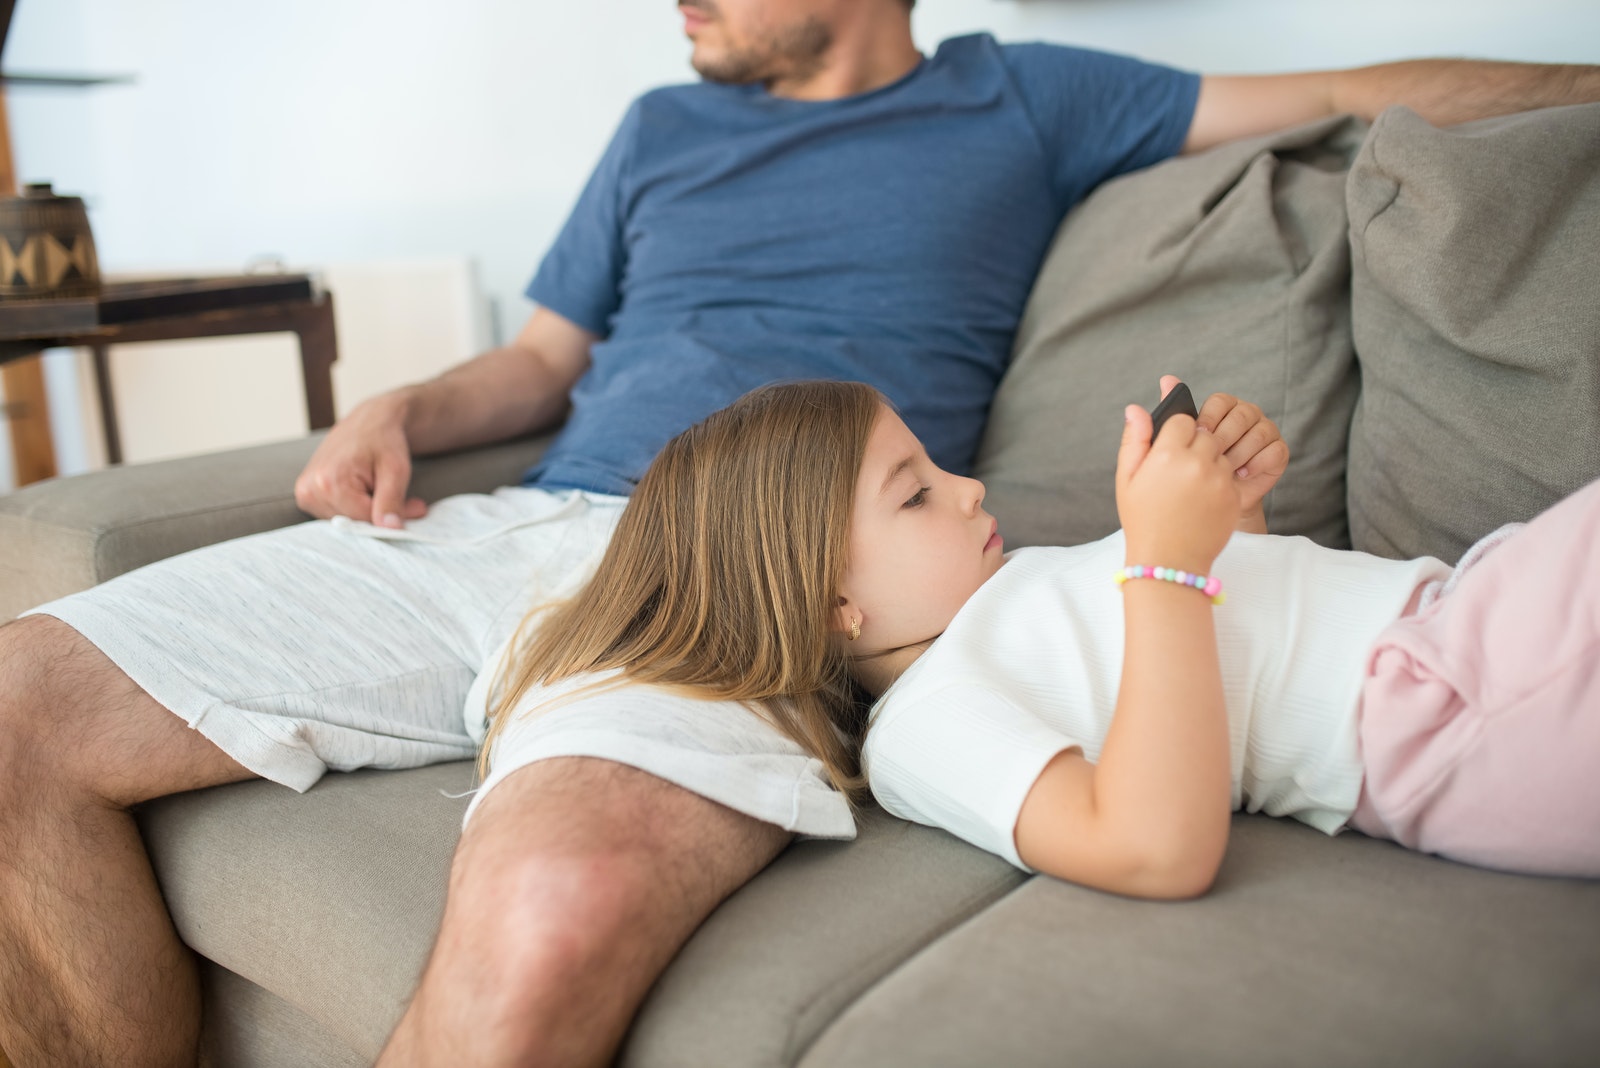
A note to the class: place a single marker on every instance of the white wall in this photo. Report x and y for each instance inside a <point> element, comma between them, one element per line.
<point>321,131</point>
<point>397,320</point>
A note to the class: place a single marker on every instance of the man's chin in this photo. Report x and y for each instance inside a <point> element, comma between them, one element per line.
<point>722,71</point>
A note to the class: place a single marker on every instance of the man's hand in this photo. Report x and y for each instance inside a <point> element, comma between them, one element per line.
<point>1252,445</point>
<point>362,468</point>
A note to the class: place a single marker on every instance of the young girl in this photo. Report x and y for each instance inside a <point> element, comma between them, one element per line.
<point>1097,712</point>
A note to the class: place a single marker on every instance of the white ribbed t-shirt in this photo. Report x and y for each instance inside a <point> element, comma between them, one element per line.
<point>1031,664</point>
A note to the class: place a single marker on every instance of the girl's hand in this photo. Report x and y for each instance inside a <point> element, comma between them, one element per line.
<point>1178,500</point>
<point>1251,442</point>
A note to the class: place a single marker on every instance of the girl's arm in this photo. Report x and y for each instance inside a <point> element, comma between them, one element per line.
<point>1151,818</point>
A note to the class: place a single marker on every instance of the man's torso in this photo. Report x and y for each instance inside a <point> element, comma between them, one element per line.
<point>890,237</point>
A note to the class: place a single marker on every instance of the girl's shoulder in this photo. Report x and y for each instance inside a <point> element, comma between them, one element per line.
<point>1022,605</point>
<point>1027,566</point>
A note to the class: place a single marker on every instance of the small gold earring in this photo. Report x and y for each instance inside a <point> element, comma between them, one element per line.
<point>855,629</point>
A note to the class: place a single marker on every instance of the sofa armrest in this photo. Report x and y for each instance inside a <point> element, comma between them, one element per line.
<point>67,534</point>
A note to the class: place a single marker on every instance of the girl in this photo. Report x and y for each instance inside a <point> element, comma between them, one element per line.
<point>1097,712</point>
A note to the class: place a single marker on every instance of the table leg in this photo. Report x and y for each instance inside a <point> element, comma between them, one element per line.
<point>108,403</point>
<point>33,450</point>
<point>318,350</point>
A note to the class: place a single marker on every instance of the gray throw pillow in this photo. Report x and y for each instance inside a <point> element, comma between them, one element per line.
<point>1476,297</point>
<point>1230,269</point>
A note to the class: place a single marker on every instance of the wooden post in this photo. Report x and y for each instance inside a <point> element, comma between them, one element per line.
<point>8,182</point>
<point>33,451</point>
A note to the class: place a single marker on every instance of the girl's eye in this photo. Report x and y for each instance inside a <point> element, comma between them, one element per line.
<point>919,498</point>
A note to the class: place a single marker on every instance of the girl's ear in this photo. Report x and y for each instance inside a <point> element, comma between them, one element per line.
<point>846,617</point>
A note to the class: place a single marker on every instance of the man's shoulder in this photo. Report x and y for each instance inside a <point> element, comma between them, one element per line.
<point>1045,54</point>
<point>1031,64</point>
<point>688,96</point>
<point>666,94</point>
<point>688,109</point>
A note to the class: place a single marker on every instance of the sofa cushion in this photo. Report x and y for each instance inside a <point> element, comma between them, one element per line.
<point>1476,300</point>
<point>1308,951</point>
<point>1229,269</point>
<point>782,957</point>
<point>248,1027</point>
<point>329,902</point>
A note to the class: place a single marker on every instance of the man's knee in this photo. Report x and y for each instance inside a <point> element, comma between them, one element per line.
<point>546,955</point>
<point>553,916</point>
<point>610,823</point>
<point>572,905</point>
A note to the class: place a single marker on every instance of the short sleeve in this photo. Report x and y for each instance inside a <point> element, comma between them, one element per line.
<point>580,277</point>
<point>962,758</point>
<point>1100,115</point>
<point>720,750</point>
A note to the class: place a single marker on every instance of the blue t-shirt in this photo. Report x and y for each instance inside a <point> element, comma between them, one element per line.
<point>730,238</point>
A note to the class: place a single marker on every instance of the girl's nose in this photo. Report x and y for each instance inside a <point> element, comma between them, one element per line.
<point>975,494</point>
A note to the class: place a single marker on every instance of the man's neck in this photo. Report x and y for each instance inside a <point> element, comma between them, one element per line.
<point>864,59</point>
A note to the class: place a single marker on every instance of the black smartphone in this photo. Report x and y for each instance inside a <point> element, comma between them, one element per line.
<point>1179,400</point>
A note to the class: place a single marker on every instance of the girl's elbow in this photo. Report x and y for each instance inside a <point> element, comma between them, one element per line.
<point>1185,871</point>
<point>1187,882</point>
<point>1166,862</point>
<point>1195,872</point>
<point>1155,875</point>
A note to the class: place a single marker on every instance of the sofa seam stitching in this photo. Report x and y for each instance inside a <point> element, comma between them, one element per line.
<point>972,906</point>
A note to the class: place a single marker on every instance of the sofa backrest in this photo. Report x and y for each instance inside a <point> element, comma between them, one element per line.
<point>1475,307</point>
<point>1230,269</point>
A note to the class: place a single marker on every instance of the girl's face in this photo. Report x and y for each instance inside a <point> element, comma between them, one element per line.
<point>920,543</point>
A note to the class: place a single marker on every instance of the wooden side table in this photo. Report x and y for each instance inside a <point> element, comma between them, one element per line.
<point>172,309</point>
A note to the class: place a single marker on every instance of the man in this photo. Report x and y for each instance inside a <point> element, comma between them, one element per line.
<point>828,202</point>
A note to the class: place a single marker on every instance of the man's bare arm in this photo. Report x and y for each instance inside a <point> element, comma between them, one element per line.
<point>1443,91</point>
<point>504,393</point>
<point>363,467</point>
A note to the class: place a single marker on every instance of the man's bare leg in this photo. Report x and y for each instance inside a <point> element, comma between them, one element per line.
<point>91,970</point>
<point>573,886</point>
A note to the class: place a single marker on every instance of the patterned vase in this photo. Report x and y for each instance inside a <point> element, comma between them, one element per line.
<point>46,250</point>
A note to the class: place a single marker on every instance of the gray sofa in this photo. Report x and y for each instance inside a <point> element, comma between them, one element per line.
<point>1419,309</point>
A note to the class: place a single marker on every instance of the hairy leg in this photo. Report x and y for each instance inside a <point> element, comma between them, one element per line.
<point>91,970</point>
<point>575,883</point>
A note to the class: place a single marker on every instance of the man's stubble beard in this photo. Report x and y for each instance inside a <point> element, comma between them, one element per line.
<point>793,53</point>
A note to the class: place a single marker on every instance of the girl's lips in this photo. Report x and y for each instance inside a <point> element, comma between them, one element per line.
<point>995,540</point>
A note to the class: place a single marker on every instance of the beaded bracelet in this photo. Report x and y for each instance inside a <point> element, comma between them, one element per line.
<point>1211,587</point>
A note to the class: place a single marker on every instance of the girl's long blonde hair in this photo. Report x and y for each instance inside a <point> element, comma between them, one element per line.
<point>721,579</point>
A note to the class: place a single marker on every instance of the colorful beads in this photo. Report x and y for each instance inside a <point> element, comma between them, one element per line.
<point>1208,585</point>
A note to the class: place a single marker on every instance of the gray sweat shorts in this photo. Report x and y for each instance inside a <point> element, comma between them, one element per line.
<point>340,645</point>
